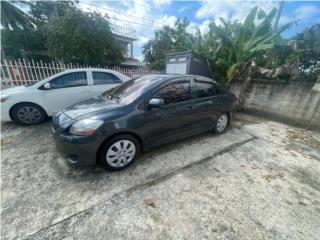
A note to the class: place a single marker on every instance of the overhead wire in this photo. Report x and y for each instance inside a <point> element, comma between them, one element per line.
<point>126,16</point>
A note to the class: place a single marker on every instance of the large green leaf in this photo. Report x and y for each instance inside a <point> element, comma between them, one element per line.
<point>249,22</point>
<point>267,38</point>
<point>220,33</point>
<point>261,14</point>
<point>270,17</point>
<point>262,47</point>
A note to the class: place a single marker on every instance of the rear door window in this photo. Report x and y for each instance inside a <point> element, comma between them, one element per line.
<point>74,79</point>
<point>174,93</point>
<point>100,78</point>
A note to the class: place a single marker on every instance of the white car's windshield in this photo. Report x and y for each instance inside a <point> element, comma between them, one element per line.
<point>132,89</point>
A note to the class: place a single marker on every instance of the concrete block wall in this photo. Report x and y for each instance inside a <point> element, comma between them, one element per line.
<point>296,102</point>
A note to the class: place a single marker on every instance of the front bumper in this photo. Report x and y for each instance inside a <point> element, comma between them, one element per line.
<point>78,151</point>
<point>5,117</point>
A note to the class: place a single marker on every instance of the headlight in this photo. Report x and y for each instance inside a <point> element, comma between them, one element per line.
<point>85,127</point>
<point>4,98</point>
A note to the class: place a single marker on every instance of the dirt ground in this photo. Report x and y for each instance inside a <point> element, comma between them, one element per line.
<point>260,180</point>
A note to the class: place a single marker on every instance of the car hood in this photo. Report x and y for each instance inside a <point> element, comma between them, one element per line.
<point>13,90</point>
<point>90,106</point>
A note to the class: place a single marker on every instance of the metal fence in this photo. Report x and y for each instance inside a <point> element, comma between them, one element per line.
<point>21,72</point>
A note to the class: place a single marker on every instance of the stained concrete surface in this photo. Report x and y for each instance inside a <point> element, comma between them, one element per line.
<point>260,180</point>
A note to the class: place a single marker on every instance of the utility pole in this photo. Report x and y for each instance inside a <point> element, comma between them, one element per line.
<point>276,22</point>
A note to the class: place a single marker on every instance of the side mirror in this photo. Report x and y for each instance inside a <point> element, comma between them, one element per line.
<point>156,103</point>
<point>46,86</point>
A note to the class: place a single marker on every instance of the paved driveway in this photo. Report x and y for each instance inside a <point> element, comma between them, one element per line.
<point>260,180</point>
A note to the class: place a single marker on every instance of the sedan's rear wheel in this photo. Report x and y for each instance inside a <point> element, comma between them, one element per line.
<point>222,123</point>
<point>119,152</point>
<point>28,114</point>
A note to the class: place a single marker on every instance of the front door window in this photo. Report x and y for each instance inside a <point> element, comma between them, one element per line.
<point>74,79</point>
<point>174,93</point>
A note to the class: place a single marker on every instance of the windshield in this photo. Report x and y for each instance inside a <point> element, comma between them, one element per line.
<point>129,91</point>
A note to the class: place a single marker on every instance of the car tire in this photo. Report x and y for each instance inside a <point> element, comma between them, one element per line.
<point>27,114</point>
<point>119,152</point>
<point>222,123</point>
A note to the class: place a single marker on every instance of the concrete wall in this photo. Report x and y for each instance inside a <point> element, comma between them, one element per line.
<point>295,102</point>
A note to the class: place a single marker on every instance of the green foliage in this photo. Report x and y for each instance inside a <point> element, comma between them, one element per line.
<point>307,49</point>
<point>61,31</point>
<point>297,58</point>
<point>27,41</point>
<point>46,11</point>
<point>83,38</point>
<point>238,44</point>
<point>167,40</point>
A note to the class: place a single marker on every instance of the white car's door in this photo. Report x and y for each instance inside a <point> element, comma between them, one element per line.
<point>103,81</point>
<point>66,90</point>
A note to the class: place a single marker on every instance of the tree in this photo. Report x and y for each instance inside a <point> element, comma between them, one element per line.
<point>84,38</point>
<point>14,18</point>
<point>48,11</point>
<point>182,40</point>
<point>167,40</point>
<point>22,43</point>
<point>306,55</point>
<point>30,40</point>
<point>154,50</point>
<point>62,31</point>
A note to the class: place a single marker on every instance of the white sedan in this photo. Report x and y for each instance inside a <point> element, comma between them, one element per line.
<point>32,104</point>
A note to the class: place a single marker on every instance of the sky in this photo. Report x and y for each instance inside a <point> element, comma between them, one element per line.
<point>145,17</point>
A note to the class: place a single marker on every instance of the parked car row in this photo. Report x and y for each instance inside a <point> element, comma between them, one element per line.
<point>131,116</point>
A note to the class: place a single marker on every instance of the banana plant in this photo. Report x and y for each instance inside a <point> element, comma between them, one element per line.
<point>241,44</point>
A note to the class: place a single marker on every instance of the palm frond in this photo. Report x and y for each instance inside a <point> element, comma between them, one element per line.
<point>262,47</point>
<point>249,21</point>
<point>14,18</point>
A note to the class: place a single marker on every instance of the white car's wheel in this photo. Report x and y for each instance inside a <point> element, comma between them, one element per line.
<point>28,114</point>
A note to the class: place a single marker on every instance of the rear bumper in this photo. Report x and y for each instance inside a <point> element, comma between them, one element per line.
<point>78,151</point>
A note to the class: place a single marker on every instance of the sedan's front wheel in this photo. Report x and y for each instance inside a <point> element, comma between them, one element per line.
<point>28,114</point>
<point>119,152</point>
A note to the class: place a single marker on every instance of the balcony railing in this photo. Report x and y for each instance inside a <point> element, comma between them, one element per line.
<point>123,31</point>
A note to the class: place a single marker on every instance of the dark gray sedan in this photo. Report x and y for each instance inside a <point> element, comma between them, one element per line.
<point>138,115</point>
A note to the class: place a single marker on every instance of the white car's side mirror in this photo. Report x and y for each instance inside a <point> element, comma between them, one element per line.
<point>46,86</point>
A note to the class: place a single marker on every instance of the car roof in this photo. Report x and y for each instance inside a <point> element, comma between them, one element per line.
<point>168,77</point>
<point>84,69</point>
<point>162,79</point>
<point>92,69</point>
